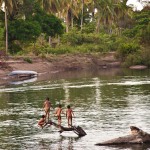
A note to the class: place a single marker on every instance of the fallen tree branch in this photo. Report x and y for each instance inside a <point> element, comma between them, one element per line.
<point>76,129</point>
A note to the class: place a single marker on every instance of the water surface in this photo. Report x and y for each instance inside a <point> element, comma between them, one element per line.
<point>105,105</point>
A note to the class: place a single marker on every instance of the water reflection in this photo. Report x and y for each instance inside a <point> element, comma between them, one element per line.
<point>66,90</point>
<point>24,81</point>
<point>61,144</point>
<point>43,145</point>
<point>97,90</point>
<point>65,143</point>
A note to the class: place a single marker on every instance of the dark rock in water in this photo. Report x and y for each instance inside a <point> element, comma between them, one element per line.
<point>137,136</point>
<point>139,67</point>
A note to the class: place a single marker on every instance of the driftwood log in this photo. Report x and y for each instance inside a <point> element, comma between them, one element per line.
<point>137,136</point>
<point>76,129</point>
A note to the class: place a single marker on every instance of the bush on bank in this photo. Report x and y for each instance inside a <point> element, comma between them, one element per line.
<point>128,50</point>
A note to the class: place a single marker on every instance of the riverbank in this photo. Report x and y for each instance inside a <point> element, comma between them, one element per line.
<point>58,63</point>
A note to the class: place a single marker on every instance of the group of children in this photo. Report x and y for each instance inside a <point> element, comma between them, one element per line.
<point>47,106</point>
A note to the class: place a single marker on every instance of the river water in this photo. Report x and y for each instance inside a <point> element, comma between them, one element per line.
<point>105,105</point>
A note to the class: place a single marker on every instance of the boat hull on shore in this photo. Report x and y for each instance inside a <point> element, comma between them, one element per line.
<point>23,73</point>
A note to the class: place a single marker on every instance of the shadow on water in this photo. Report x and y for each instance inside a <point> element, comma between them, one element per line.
<point>130,147</point>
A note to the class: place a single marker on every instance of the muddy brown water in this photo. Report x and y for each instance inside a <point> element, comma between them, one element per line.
<point>105,104</point>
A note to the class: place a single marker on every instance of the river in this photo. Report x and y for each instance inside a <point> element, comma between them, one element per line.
<point>105,105</point>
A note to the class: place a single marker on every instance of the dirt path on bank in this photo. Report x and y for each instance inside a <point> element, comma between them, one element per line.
<point>61,63</point>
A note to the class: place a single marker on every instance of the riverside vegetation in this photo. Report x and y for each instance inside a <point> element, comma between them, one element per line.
<point>35,28</point>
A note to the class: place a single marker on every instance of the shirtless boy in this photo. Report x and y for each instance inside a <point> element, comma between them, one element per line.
<point>41,122</point>
<point>47,106</point>
<point>69,114</point>
<point>58,114</point>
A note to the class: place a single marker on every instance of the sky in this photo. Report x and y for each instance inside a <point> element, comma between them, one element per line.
<point>136,4</point>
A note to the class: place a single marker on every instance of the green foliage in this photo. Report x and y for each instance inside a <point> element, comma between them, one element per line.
<point>15,48</point>
<point>126,48</point>
<point>145,34</point>
<point>36,21</point>
<point>2,31</point>
<point>91,48</point>
<point>65,49</point>
<point>105,42</point>
<point>72,38</point>
<point>28,60</point>
<point>28,8</point>
<point>141,57</point>
<point>145,54</point>
<point>2,18</point>
<point>89,28</point>
<point>141,26</point>
<point>142,17</point>
<point>24,31</point>
<point>135,38</point>
<point>49,50</point>
<point>30,36</point>
<point>1,38</point>
<point>130,33</point>
<point>133,59</point>
<point>50,24</point>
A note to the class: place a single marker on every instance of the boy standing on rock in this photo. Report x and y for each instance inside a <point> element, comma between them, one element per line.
<point>58,114</point>
<point>47,105</point>
<point>69,114</point>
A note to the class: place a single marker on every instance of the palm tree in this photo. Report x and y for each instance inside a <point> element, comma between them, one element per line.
<point>70,9</point>
<point>50,6</point>
<point>82,13</point>
<point>123,15</point>
<point>9,7</point>
<point>108,12</point>
<point>83,3</point>
<point>104,12</point>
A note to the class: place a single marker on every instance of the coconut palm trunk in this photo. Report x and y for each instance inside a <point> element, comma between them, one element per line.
<point>98,24</point>
<point>67,23</point>
<point>82,14</point>
<point>6,30</point>
<point>9,7</point>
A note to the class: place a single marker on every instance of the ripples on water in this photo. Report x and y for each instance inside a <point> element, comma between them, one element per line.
<point>105,106</point>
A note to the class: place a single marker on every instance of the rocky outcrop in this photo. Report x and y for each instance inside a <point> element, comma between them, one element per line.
<point>137,136</point>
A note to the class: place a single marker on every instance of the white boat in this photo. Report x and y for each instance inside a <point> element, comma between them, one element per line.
<point>23,73</point>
